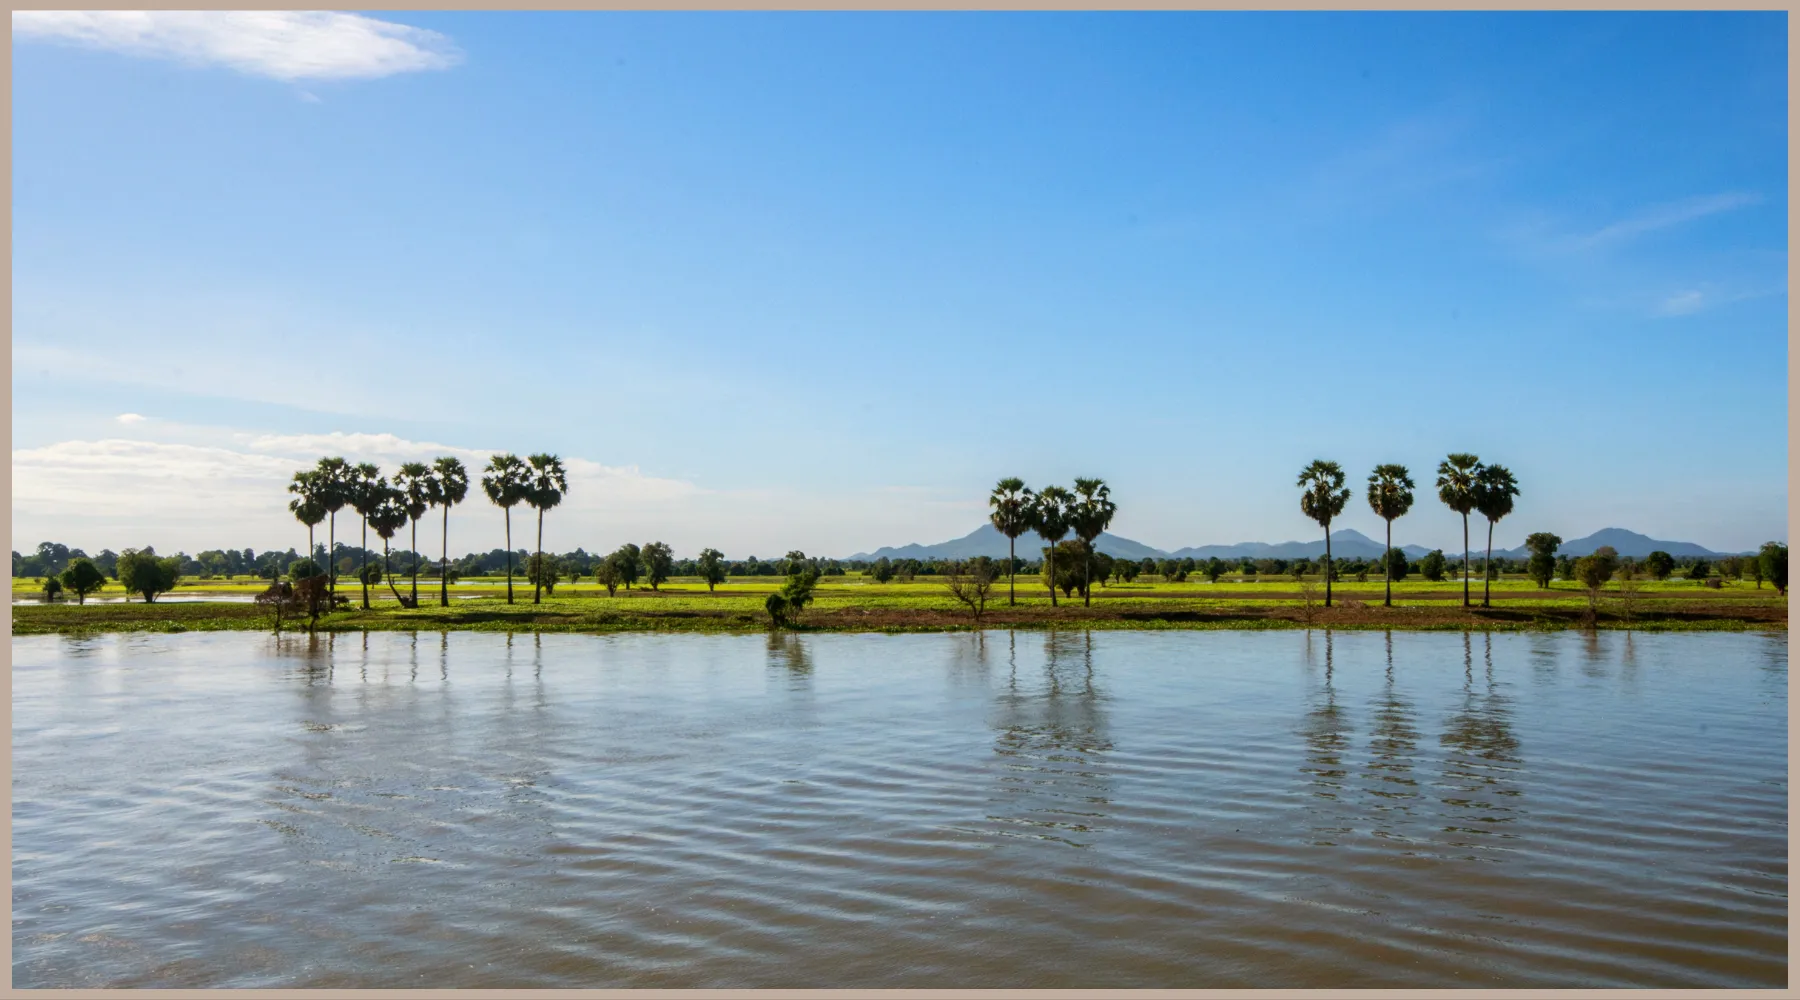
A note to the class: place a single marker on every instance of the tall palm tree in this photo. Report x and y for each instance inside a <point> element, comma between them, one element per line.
<point>387,515</point>
<point>506,482</point>
<point>548,484</point>
<point>1011,502</point>
<point>1050,519</point>
<point>1322,497</point>
<point>417,487</point>
<point>1457,475</point>
<point>367,489</point>
<point>1089,515</point>
<point>306,506</point>
<point>334,488</point>
<point>1390,496</point>
<point>449,485</point>
<point>1495,488</point>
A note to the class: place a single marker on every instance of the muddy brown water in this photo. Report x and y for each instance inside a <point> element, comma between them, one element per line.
<point>1006,809</point>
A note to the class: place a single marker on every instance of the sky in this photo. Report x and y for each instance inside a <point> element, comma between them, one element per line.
<point>804,280</point>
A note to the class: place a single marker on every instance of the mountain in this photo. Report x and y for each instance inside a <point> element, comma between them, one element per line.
<point>1626,543</point>
<point>988,541</point>
<point>1347,543</point>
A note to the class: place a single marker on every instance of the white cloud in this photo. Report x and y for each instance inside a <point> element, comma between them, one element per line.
<point>1662,217</point>
<point>131,418</point>
<point>1682,303</point>
<point>284,45</point>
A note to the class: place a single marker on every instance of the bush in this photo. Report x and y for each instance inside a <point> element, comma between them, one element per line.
<point>1433,566</point>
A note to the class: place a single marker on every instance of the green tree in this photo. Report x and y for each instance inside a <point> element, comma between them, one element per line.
<point>53,588</point>
<point>629,565</point>
<point>1010,511</point>
<point>548,483</point>
<point>544,571</point>
<point>606,574</point>
<point>1593,571</point>
<point>142,572</point>
<point>882,570</point>
<point>81,578</point>
<point>304,569</point>
<point>367,489</point>
<point>507,481</point>
<point>1754,567</point>
<point>1699,570</point>
<point>306,506</point>
<point>1390,497</point>
<point>1495,489</point>
<point>1659,564</point>
<point>1771,560</point>
<point>1214,569</point>
<point>336,484</point>
<point>1322,497</point>
<point>1050,519</point>
<point>711,567</point>
<point>1432,567</point>
<point>1456,484</point>
<point>786,604</point>
<point>1089,515</point>
<point>1542,564</point>
<point>1394,566</point>
<point>448,486</point>
<point>659,563</point>
<point>417,489</point>
<point>387,517</point>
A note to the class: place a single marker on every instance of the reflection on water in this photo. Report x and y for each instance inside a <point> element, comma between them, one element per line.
<point>983,809</point>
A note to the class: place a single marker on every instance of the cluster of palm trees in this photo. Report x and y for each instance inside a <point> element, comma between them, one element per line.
<point>1052,512</point>
<point>387,506</point>
<point>1464,484</point>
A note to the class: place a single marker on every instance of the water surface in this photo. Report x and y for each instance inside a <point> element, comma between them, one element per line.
<point>1102,809</point>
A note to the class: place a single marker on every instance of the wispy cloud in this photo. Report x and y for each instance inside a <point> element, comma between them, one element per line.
<point>131,418</point>
<point>283,45</point>
<point>1662,217</point>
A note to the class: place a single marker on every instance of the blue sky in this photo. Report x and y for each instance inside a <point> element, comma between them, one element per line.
<point>817,280</point>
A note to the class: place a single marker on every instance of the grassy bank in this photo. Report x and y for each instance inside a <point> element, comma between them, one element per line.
<point>851,604</point>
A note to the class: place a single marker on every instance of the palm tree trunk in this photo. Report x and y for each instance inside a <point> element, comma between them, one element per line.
<point>1487,569</point>
<point>309,545</point>
<point>331,555</point>
<point>415,552</point>
<point>1328,564</point>
<point>1087,576</point>
<point>1050,570</point>
<point>537,584</point>
<point>508,511</point>
<point>1387,566</point>
<point>1011,570</point>
<point>444,563</point>
<point>389,577</point>
<point>1465,560</point>
<point>365,564</point>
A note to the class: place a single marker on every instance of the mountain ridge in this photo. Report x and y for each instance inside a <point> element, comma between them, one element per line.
<point>1346,543</point>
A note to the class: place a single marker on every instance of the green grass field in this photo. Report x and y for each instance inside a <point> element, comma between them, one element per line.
<point>855,603</point>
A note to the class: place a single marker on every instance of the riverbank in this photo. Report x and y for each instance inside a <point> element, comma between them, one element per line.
<point>678,612</point>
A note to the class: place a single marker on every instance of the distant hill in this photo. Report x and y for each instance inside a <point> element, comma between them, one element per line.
<point>1347,543</point>
<point>1625,543</point>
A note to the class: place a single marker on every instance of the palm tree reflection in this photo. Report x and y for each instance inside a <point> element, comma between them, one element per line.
<point>1326,731</point>
<point>1481,766</point>
<point>1054,783</point>
<point>1393,744</point>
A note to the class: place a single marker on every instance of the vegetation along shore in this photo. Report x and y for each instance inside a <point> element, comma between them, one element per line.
<point>646,588</point>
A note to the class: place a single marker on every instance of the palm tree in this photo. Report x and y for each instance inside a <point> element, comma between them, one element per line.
<point>506,482</point>
<point>1495,488</point>
<point>1089,515</point>
<point>387,514</point>
<point>306,506</point>
<point>1050,519</point>
<point>1390,496</point>
<point>367,489</point>
<point>1012,502</point>
<point>332,480</point>
<point>548,484</point>
<point>449,485</point>
<point>1322,497</point>
<point>415,484</point>
<point>1457,475</point>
